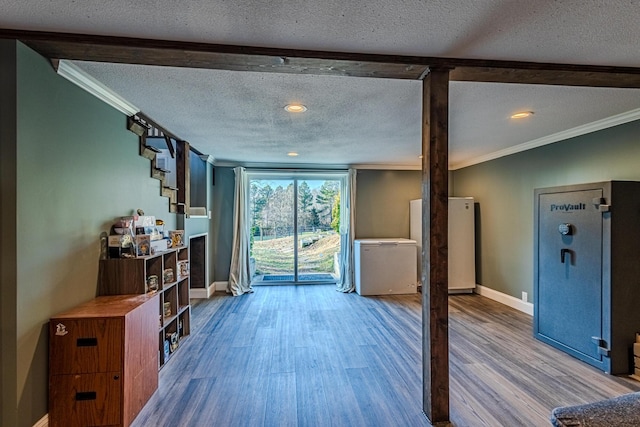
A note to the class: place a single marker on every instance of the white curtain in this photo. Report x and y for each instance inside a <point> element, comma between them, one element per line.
<point>239,273</point>
<point>348,233</point>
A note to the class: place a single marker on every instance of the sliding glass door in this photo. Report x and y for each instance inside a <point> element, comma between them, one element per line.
<point>295,224</point>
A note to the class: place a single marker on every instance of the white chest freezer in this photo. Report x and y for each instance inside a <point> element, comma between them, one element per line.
<point>385,266</point>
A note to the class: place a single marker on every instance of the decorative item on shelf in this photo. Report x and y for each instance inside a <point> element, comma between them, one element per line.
<point>173,341</point>
<point>167,350</point>
<point>167,275</point>
<point>152,283</point>
<point>104,245</point>
<point>120,241</point>
<point>143,245</point>
<point>124,225</point>
<point>183,269</point>
<point>177,238</point>
<point>166,309</point>
<point>160,226</point>
<point>144,224</point>
<point>121,246</point>
<point>159,246</point>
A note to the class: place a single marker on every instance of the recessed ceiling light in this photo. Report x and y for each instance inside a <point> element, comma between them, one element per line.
<point>292,154</point>
<point>522,114</point>
<point>295,108</point>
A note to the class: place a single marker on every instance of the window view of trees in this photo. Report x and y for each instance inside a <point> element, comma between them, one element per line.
<point>272,208</point>
<point>317,239</point>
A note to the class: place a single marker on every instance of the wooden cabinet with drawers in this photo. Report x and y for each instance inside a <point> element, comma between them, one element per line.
<point>103,361</point>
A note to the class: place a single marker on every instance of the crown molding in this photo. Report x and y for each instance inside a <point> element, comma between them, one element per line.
<point>608,122</point>
<point>207,158</point>
<point>387,166</point>
<point>80,78</point>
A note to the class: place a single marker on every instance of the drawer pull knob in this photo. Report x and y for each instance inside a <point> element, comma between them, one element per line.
<point>87,342</point>
<point>86,395</point>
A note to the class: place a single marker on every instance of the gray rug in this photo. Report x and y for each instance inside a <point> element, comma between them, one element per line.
<point>621,411</point>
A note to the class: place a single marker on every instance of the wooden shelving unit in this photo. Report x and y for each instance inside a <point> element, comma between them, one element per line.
<point>171,268</point>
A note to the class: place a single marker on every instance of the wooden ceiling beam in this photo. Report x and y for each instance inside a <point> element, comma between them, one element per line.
<point>261,59</point>
<point>557,75</point>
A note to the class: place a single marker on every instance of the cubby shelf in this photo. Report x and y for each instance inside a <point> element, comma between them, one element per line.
<point>119,276</point>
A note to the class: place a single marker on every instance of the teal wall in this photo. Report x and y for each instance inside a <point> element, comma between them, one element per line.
<point>503,189</point>
<point>77,168</point>
<point>382,202</point>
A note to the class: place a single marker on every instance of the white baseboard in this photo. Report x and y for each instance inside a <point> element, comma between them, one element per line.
<point>202,293</point>
<point>42,422</point>
<point>513,302</point>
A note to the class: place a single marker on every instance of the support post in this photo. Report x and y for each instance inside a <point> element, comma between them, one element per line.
<point>183,177</point>
<point>435,183</point>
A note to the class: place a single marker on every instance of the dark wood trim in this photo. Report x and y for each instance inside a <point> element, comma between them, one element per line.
<point>435,316</point>
<point>160,131</point>
<point>566,76</point>
<point>263,59</point>
<point>183,180</point>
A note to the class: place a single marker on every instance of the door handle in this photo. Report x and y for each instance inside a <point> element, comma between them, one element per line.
<point>564,252</point>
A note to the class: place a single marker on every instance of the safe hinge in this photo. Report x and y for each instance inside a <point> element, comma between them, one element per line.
<point>603,348</point>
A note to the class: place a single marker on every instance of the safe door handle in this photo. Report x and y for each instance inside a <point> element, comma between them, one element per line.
<point>563,253</point>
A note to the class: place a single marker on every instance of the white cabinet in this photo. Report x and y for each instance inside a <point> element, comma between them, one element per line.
<point>461,249</point>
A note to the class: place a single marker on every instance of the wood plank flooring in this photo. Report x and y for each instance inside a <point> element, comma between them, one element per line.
<point>311,356</point>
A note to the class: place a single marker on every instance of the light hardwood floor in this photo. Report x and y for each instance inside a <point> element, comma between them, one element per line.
<point>311,356</point>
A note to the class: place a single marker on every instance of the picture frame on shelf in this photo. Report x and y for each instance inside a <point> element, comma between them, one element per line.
<point>143,245</point>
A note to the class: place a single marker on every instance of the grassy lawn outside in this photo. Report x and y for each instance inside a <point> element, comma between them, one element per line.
<point>275,256</point>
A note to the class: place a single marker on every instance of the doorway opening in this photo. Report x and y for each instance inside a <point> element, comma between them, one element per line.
<point>295,227</point>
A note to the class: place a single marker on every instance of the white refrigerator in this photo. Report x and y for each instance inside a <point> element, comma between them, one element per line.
<point>461,250</point>
<point>385,266</point>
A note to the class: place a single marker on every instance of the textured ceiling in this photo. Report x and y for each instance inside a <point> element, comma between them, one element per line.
<point>238,116</point>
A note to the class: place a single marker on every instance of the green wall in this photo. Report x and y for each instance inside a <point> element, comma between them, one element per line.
<point>503,189</point>
<point>382,202</point>
<point>77,168</point>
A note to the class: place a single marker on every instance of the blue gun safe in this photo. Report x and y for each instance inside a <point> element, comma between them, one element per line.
<point>587,271</point>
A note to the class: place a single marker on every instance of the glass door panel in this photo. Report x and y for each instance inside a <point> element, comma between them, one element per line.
<point>272,229</point>
<point>295,223</point>
<point>318,238</point>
